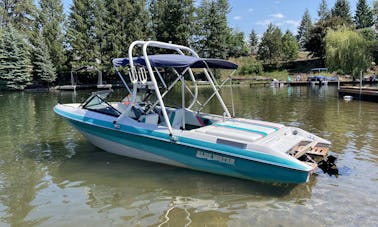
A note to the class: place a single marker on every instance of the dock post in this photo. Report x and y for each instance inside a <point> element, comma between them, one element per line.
<point>360,83</point>
<point>338,82</point>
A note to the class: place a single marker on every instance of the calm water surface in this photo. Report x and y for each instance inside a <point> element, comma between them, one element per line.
<point>51,176</point>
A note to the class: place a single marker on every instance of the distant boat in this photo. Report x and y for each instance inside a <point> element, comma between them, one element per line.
<point>317,77</point>
<point>348,97</point>
<point>142,126</point>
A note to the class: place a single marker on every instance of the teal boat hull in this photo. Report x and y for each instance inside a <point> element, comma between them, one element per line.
<point>184,152</point>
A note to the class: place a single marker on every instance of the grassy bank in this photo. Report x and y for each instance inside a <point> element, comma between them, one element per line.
<point>250,68</point>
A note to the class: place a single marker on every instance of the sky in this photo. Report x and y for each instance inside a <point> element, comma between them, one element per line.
<point>246,15</point>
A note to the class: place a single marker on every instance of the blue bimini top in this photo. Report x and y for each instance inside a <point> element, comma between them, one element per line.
<point>177,61</point>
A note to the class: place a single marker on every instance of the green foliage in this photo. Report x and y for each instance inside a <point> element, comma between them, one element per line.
<point>19,14</point>
<point>270,48</point>
<point>253,39</point>
<point>375,13</point>
<point>250,67</point>
<point>81,33</point>
<point>342,10</point>
<point>15,66</point>
<point>51,19</point>
<point>346,51</point>
<point>212,31</point>
<point>124,22</point>
<point>290,46</point>
<point>43,68</point>
<point>172,21</point>
<point>368,33</point>
<point>304,29</point>
<point>323,11</point>
<point>237,46</point>
<point>316,41</point>
<point>364,16</point>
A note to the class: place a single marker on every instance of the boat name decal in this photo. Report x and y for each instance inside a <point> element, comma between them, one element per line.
<point>215,157</point>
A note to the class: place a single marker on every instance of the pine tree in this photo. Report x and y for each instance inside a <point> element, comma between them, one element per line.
<point>125,22</point>
<point>270,47</point>
<point>15,66</point>
<point>375,12</point>
<point>253,39</point>
<point>212,29</point>
<point>82,33</point>
<point>172,20</point>
<point>304,29</point>
<point>43,68</point>
<point>323,11</point>
<point>51,18</point>
<point>364,16</point>
<point>342,10</point>
<point>289,46</point>
<point>237,46</point>
<point>20,15</point>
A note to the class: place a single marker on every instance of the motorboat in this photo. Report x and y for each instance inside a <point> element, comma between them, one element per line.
<point>144,126</point>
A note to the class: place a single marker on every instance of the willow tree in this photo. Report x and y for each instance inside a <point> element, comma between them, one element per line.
<point>346,51</point>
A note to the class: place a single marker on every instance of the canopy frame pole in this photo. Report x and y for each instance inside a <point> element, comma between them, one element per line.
<point>157,91</point>
<point>211,96</point>
<point>168,89</point>
<point>215,88</point>
<point>232,98</point>
<point>161,78</point>
<point>133,78</point>
<point>193,95</point>
<point>183,100</point>
<point>123,80</point>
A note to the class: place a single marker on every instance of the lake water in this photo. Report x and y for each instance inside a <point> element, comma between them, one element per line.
<point>52,176</point>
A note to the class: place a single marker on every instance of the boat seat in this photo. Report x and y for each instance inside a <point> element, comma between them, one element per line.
<point>175,118</point>
<point>152,118</point>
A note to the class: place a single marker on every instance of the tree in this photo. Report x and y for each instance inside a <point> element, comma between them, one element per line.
<point>212,31</point>
<point>43,68</point>
<point>270,47</point>
<point>125,22</point>
<point>20,15</point>
<point>81,33</point>
<point>237,46</point>
<point>15,66</point>
<point>253,42</point>
<point>316,41</point>
<point>253,39</point>
<point>342,10</point>
<point>347,51</point>
<point>323,11</point>
<point>51,18</point>
<point>375,13</point>
<point>172,21</point>
<point>304,29</point>
<point>289,46</point>
<point>364,16</point>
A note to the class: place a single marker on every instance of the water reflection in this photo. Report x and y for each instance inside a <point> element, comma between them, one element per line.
<point>150,194</point>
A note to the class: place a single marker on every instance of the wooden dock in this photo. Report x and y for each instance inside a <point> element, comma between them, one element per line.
<point>361,93</point>
<point>85,86</point>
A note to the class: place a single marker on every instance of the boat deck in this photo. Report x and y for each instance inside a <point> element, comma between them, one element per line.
<point>241,129</point>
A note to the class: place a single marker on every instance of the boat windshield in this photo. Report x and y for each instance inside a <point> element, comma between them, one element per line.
<point>97,103</point>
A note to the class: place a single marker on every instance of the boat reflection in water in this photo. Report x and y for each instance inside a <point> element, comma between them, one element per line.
<point>185,197</point>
